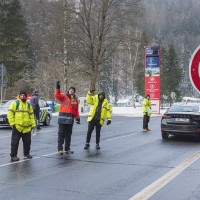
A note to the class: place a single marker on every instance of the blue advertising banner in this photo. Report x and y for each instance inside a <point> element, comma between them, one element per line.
<point>152,66</point>
<point>152,51</point>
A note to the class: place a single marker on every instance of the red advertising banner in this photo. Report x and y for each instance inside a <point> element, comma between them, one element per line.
<point>152,76</point>
<point>152,86</point>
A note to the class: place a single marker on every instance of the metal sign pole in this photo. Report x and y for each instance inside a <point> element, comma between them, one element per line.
<point>1,83</point>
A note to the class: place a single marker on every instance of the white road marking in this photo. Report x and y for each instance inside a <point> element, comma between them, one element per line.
<point>50,154</point>
<point>20,161</point>
<point>37,132</point>
<point>126,122</point>
<point>147,192</point>
<point>3,165</point>
<point>5,136</point>
<point>123,136</point>
<point>49,130</point>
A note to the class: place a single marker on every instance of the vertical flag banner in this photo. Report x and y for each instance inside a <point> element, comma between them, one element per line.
<point>152,76</point>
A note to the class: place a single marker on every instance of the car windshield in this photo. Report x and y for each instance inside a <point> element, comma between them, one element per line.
<point>180,108</point>
<point>7,104</point>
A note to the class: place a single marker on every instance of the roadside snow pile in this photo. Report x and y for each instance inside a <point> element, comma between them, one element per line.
<point>127,111</point>
<point>124,111</point>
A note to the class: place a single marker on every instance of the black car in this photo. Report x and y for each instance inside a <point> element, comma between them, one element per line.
<point>181,119</point>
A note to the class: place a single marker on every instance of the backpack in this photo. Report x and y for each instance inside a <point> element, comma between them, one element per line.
<point>17,104</point>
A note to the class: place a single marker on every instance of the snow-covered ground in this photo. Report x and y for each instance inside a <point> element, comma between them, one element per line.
<point>131,111</point>
<point>125,111</point>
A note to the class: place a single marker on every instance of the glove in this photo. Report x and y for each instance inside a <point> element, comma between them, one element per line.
<point>33,130</point>
<point>92,90</point>
<point>108,122</point>
<point>58,85</point>
<point>78,120</point>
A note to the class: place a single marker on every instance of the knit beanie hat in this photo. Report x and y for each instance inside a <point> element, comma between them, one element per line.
<point>73,88</point>
<point>103,94</point>
<point>23,92</point>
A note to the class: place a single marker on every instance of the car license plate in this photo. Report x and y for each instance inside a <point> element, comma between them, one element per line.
<point>1,119</point>
<point>182,120</point>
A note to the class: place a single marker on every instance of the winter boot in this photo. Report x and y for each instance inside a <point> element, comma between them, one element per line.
<point>28,156</point>
<point>97,146</point>
<point>14,159</point>
<point>87,146</point>
<point>37,125</point>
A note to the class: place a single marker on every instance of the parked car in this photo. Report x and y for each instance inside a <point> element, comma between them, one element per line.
<point>181,119</point>
<point>3,102</point>
<point>51,104</point>
<point>45,113</point>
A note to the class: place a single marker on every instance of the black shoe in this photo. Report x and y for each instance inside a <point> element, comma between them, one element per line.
<point>38,128</point>
<point>28,156</point>
<point>87,146</point>
<point>14,159</point>
<point>97,146</point>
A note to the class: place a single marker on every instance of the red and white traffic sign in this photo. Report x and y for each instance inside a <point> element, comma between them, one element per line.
<point>194,69</point>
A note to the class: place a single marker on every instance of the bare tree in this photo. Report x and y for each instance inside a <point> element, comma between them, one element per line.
<point>98,30</point>
<point>81,36</point>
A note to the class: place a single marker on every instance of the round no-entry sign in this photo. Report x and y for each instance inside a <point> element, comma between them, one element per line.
<point>194,69</point>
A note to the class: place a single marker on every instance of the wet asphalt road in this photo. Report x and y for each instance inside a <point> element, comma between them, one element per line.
<point>128,161</point>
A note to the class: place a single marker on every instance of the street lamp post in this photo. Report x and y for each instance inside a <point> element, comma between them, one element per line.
<point>1,83</point>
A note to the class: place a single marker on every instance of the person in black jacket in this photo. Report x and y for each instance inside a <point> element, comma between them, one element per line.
<point>36,108</point>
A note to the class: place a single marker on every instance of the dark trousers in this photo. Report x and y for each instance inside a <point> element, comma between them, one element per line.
<point>26,138</point>
<point>145,121</point>
<point>91,126</point>
<point>37,117</point>
<point>64,135</point>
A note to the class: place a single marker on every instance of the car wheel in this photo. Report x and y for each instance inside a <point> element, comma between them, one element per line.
<point>165,135</point>
<point>47,121</point>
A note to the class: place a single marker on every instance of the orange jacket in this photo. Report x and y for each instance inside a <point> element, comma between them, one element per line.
<point>67,104</point>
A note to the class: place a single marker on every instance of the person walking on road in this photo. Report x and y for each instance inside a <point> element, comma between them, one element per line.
<point>99,111</point>
<point>36,108</point>
<point>68,112</point>
<point>147,112</point>
<point>21,119</point>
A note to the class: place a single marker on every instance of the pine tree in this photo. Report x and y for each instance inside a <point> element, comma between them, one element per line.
<point>187,88</point>
<point>14,40</point>
<point>3,13</point>
<point>171,73</point>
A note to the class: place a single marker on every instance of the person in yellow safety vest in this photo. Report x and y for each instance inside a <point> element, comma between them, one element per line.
<point>21,119</point>
<point>147,112</point>
<point>99,111</point>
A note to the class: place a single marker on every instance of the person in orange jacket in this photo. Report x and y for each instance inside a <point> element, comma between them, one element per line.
<point>68,112</point>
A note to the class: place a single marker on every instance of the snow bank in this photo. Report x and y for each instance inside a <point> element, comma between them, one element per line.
<point>125,111</point>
